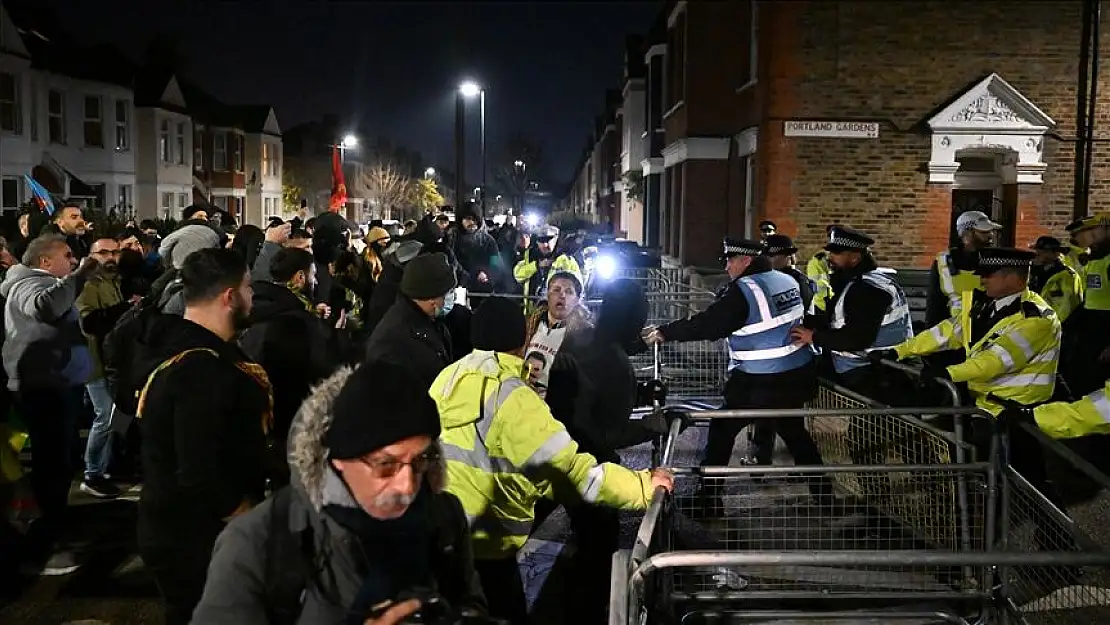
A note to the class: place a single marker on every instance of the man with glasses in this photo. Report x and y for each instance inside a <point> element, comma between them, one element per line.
<point>100,306</point>
<point>364,520</point>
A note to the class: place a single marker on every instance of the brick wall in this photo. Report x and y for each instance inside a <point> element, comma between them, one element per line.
<point>899,63</point>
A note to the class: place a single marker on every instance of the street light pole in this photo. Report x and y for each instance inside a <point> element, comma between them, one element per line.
<point>485,189</point>
<point>460,159</point>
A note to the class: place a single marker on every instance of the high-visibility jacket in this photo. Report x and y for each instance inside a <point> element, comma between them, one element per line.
<point>763,346</point>
<point>503,447</point>
<point>1063,291</point>
<point>954,283</point>
<point>1096,292</point>
<point>526,269</point>
<point>1016,360</point>
<point>1089,415</point>
<point>896,327</point>
<point>817,270</point>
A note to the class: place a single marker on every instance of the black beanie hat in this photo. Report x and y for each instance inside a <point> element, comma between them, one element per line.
<point>379,405</point>
<point>428,276</point>
<point>498,325</point>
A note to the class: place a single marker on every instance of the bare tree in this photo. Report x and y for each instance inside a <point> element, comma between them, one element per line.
<point>386,187</point>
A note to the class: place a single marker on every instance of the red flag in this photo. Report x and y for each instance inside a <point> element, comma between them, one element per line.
<point>338,185</point>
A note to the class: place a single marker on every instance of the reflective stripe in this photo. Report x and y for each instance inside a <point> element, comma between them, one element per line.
<point>550,448</point>
<point>479,457</point>
<point>1003,355</point>
<point>760,298</point>
<point>947,284</point>
<point>1024,379</point>
<point>895,329</point>
<point>937,335</point>
<point>1101,403</point>
<point>765,354</point>
<point>594,477</point>
<point>1023,344</point>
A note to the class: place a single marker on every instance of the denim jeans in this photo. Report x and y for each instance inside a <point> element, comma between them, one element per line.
<point>98,452</point>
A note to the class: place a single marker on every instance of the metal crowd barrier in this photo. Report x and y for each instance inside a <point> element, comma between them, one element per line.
<point>931,524</point>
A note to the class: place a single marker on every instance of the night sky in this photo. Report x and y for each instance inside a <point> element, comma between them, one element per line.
<point>395,65</point>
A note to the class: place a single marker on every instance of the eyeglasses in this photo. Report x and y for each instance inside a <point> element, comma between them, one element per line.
<point>388,467</point>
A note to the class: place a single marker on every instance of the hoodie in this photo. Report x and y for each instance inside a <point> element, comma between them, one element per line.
<point>236,590</point>
<point>43,343</point>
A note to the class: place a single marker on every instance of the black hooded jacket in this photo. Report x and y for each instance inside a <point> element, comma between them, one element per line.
<point>411,339</point>
<point>607,385</point>
<point>204,445</point>
<point>292,345</point>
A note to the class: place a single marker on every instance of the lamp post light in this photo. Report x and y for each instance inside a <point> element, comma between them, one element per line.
<point>466,90</point>
<point>349,142</point>
<point>430,173</point>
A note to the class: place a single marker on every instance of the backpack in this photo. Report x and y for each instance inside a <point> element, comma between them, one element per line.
<point>120,347</point>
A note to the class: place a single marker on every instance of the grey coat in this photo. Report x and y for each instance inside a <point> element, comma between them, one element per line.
<point>234,593</point>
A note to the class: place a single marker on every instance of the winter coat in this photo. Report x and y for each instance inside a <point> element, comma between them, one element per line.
<point>235,592</point>
<point>411,339</point>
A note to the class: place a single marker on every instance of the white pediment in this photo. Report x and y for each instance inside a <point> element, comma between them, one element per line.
<point>992,103</point>
<point>990,117</point>
<point>271,127</point>
<point>172,94</point>
<point>10,41</point>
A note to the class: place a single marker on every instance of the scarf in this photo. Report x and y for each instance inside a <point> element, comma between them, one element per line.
<point>396,552</point>
<point>301,297</point>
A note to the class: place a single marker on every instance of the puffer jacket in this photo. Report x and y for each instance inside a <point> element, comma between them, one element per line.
<point>235,590</point>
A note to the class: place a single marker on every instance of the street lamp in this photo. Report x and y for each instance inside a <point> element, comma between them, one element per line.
<point>430,172</point>
<point>350,141</point>
<point>468,89</point>
<point>519,163</point>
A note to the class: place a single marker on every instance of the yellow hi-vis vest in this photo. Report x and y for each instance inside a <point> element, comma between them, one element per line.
<point>1096,275</point>
<point>1089,415</point>
<point>955,283</point>
<point>1063,292</point>
<point>817,269</point>
<point>1016,360</point>
<point>504,450</point>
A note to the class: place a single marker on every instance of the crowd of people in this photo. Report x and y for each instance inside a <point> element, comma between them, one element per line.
<point>322,423</point>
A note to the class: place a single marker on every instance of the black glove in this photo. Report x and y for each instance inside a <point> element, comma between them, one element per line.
<point>1015,413</point>
<point>647,393</point>
<point>880,355</point>
<point>933,372</point>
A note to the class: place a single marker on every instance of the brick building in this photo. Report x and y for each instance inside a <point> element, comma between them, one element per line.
<point>891,117</point>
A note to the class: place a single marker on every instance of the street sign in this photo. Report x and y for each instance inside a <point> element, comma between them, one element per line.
<point>834,130</point>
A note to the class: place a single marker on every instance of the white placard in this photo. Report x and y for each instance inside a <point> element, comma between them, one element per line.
<point>837,130</point>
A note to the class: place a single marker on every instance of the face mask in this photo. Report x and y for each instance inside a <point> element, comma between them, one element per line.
<point>448,304</point>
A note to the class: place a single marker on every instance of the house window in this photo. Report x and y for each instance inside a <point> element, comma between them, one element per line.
<point>164,147</point>
<point>94,121</point>
<point>238,152</point>
<point>125,199</point>
<point>238,211</point>
<point>182,200</point>
<point>11,114</point>
<point>34,114</point>
<point>56,117</point>
<point>747,167</point>
<point>100,193</point>
<point>11,193</point>
<point>123,125</point>
<point>167,203</point>
<point>266,159</point>
<point>275,158</point>
<point>219,151</point>
<point>198,149</point>
<point>180,143</point>
<point>266,206</point>
<point>676,63</point>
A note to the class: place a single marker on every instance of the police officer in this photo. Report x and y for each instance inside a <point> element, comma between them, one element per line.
<point>780,249</point>
<point>755,312</point>
<point>1058,284</point>
<point>1085,361</point>
<point>868,312</point>
<point>953,272</point>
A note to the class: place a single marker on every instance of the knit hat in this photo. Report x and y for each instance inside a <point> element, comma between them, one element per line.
<point>188,212</point>
<point>379,405</point>
<point>428,276</point>
<point>186,240</point>
<point>377,233</point>
<point>498,325</point>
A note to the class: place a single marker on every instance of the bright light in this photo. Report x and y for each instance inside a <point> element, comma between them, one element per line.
<point>518,163</point>
<point>532,219</point>
<point>350,141</point>
<point>607,267</point>
<point>469,89</point>
<point>430,172</point>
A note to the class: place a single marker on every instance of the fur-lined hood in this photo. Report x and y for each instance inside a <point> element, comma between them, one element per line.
<point>308,458</point>
<point>578,320</point>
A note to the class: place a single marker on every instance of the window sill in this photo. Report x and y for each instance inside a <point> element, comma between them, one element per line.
<point>748,85</point>
<point>671,111</point>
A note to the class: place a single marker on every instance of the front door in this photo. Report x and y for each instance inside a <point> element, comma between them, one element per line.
<point>964,200</point>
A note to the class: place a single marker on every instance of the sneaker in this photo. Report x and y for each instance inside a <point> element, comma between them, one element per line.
<point>100,488</point>
<point>59,563</point>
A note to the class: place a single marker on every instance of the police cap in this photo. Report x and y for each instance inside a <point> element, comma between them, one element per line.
<point>845,239</point>
<point>778,245</point>
<point>1048,244</point>
<point>992,259</point>
<point>741,247</point>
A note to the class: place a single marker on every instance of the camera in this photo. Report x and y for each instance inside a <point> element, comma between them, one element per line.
<point>435,610</point>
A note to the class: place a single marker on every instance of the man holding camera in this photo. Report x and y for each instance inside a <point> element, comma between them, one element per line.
<point>364,526</point>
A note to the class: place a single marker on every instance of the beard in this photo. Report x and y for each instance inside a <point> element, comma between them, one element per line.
<point>240,314</point>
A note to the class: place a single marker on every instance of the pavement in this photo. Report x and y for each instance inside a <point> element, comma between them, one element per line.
<point>112,587</point>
